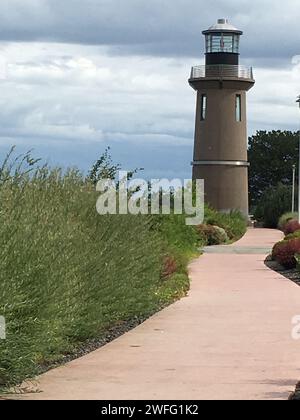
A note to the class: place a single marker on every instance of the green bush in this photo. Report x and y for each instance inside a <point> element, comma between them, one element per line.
<point>178,239</point>
<point>285,218</point>
<point>273,203</point>
<point>212,235</point>
<point>234,223</point>
<point>293,235</point>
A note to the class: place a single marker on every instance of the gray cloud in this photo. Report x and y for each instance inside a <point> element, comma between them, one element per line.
<point>156,27</point>
<point>86,74</point>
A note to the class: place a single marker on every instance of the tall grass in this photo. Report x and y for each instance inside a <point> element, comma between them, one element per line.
<point>68,274</point>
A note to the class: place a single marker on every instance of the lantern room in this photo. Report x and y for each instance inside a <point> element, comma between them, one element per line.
<point>222,42</point>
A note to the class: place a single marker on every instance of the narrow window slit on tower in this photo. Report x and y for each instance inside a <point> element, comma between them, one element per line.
<point>238,108</point>
<point>203,107</point>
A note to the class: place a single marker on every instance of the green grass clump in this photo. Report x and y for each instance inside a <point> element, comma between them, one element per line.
<point>180,240</point>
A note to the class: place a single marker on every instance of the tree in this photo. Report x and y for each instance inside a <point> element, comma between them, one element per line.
<point>273,203</point>
<point>271,155</point>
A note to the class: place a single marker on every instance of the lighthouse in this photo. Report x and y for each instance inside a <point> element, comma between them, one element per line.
<point>220,148</point>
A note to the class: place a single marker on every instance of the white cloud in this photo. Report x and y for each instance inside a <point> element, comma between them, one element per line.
<point>73,97</point>
<point>75,92</point>
<point>272,102</point>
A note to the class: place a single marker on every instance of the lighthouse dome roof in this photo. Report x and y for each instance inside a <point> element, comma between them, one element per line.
<point>223,25</point>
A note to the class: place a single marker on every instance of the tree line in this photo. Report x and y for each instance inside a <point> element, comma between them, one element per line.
<point>272,155</point>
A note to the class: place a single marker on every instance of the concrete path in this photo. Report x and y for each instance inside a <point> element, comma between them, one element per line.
<point>229,339</point>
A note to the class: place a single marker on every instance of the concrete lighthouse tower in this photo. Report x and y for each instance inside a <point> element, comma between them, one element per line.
<point>220,151</point>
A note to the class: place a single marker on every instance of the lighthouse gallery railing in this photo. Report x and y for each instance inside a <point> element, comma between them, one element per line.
<point>222,71</point>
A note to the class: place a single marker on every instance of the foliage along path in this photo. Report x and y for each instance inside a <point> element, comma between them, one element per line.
<point>229,339</point>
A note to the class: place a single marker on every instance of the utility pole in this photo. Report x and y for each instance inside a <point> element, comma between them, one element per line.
<point>293,193</point>
<point>298,101</point>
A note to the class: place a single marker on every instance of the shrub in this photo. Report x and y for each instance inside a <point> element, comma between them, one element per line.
<point>234,223</point>
<point>291,227</point>
<point>222,234</point>
<point>285,252</point>
<point>285,218</point>
<point>182,239</point>
<point>274,202</point>
<point>293,235</point>
<point>213,235</point>
<point>169,267</point>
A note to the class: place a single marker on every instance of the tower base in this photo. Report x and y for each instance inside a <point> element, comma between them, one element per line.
<point>225,187</point>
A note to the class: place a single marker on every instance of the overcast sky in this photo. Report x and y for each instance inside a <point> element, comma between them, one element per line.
<point>78,75</point>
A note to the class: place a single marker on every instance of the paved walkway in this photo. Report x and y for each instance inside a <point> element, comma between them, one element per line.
<point>229,339</point>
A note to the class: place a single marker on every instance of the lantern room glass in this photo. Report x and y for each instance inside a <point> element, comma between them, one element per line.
<point>222,43</point>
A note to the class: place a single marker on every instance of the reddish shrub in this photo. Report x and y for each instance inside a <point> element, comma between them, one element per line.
<point>291,227</point>
<point>276,249</point>
<point>169,267</point>
<point>284,252</point>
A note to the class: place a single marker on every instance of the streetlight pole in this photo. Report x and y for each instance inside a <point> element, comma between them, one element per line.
<point>298,101</point>
<point>293,192</point>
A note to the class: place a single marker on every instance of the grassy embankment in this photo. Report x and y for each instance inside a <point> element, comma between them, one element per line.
<point>68,275</point>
